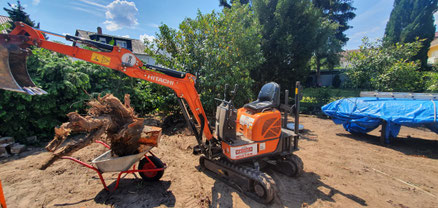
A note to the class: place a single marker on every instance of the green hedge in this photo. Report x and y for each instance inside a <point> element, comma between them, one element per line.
<point>315,98</point>
<point>70,85</point>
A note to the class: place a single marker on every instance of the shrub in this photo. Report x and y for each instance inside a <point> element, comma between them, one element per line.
<point>70,85</point>
<point>391,68</point>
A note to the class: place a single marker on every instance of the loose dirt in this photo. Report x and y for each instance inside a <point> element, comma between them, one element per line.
<point>341,170</point>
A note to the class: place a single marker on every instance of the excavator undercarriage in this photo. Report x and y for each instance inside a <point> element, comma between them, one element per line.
<point>247,141</point>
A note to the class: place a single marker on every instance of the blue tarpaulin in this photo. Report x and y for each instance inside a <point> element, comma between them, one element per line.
<point>364,114</point>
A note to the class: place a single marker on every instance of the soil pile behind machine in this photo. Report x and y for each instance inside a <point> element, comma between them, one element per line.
<point>247,141</point>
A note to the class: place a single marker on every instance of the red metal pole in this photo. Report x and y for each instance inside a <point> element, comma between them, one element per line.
<point>2,197</point>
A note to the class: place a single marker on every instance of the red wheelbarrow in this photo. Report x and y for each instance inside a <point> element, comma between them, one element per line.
<point>150,167</point>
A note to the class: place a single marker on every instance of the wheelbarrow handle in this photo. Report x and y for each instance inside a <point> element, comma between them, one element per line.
<point>80,162</point>
<point>103,143</point>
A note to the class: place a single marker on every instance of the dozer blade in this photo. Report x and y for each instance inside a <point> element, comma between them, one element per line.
<point>13,70</point>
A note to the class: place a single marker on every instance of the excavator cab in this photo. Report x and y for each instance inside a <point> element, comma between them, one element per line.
<point>13,69</point>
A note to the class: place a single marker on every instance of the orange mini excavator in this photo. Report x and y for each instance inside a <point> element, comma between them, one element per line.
<point>247,141</point>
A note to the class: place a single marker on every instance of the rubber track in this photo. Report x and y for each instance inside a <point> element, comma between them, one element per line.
<point>251,174</point>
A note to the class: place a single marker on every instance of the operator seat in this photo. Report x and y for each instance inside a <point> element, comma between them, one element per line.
<point>269,97</point>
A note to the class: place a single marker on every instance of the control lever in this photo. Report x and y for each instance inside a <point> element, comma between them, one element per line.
<point>234,92</point>
<point>225,91</point>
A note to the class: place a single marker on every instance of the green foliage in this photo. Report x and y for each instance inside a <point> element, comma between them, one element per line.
<point>375,67</point>
<point>5,26</point>
<point>219,48</point>
<point>431,81</point>
<point>338,11</point>
<point>401,76</point>
<point>315,98</point>
<point>112,42</point>
<point>289,29</point>
<point>331,37</point>
<point>328,46</point>
<point>70,85</point>
<point>409,20</point>
<point>226,4</point>
<point>24,115</point>
<point>16,13</point>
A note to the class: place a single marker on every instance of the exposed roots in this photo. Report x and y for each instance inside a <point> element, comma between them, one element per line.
<point>108,116</point>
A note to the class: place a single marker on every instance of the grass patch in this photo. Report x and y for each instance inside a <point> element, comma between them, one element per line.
<point>315,98</point>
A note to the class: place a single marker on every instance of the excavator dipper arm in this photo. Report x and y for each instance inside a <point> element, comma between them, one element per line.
<point>117,58</point>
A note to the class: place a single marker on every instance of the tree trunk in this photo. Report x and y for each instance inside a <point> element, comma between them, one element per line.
<point>318,71</point>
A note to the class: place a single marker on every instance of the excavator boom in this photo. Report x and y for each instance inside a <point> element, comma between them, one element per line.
<point>14,48</point>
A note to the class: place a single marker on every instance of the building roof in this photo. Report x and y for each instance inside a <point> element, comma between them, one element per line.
<point>138,46</point>
<point>3,20</point>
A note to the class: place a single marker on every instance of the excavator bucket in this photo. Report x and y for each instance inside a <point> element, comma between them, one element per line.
<point>13,70</point>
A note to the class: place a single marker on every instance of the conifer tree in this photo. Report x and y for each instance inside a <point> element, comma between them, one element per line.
<point>409,20</point>
<point>16,13</point>
<point>330,38</point>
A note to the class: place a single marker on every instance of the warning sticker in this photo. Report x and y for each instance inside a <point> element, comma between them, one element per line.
<point>243,151</point>
<point>100,58</point>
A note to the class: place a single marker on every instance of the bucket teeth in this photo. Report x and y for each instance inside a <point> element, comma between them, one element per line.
<point>28,91</point>
<point>13,71</point>
<point>34,91</point>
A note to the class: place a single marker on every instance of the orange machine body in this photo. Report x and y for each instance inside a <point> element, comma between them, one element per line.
<point>259,134</point>
<point>259,126</point>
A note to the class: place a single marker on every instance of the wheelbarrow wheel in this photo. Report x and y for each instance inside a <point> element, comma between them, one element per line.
<point>145,164</point>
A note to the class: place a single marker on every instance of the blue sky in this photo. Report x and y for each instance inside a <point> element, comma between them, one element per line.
<point>137,19</point>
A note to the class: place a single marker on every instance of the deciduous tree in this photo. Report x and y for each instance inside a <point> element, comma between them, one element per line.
<point>220,48</point>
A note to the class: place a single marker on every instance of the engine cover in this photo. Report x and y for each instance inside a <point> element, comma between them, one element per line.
<point>259,126</point>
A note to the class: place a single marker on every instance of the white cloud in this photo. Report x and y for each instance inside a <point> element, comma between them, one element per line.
<point>93,3</point>
<point>153,25</point>
<point>120,14</point>
<point>147,37</point>
<point>368,33</point>
<point>90,11</point>
<point>125,36</point>
<point>35,2</point>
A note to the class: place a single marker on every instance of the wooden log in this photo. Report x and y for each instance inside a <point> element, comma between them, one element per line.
<point>106,115</point>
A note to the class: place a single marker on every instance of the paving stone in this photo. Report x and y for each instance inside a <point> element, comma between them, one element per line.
<point>7,140</point>
<point>18,148</point>
<point>5,150</point>
<point>32,139</point>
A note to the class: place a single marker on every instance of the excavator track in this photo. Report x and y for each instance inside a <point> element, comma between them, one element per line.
<point>253,183</point>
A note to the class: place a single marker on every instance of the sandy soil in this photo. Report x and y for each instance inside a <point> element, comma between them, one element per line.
<point>341,170</point>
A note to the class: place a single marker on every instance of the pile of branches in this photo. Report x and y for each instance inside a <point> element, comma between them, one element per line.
<point>106,116</point>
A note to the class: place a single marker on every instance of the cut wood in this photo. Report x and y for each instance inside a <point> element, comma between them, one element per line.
<point>107,116</point>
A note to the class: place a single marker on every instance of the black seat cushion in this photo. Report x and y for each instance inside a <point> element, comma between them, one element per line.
<point>269,97</point>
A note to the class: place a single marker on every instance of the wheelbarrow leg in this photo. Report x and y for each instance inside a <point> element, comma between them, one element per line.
<point>91,167</point>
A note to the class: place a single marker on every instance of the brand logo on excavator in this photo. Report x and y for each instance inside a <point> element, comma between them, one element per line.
<point>243,151</point>
<point>159,79</point>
